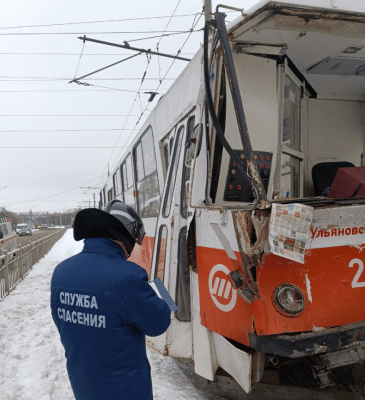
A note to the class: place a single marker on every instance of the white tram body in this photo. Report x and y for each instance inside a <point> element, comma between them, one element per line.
<point>300,68</point>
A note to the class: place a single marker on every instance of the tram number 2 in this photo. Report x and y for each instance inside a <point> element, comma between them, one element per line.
<point>355,282</point>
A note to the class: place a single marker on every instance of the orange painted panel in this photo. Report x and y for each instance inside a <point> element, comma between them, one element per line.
<point>142,254</point>
<point>326,280</point>
<point>333,295</point>
<point>220,310</point>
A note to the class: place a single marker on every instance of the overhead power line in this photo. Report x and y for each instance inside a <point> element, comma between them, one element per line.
<point>41,79</point>
<point>86,33</point>
<point>67,130</point>
<point>73,90</point>
<point>57,194</point>
<point>97,22</point>
<point>67,115</point>
<point>62,147</point>
<point>77,54</point>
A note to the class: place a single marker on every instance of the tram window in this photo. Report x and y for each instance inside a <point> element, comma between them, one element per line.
<point>186,169</point>
<point>289,181</point>
<point>171,145</point>
<point>127,185</point>
<point>291,123</point>
<point>173,171</point>
<point>166,155</point>
<point>139,162</point>
<point>110,195</point>
<point>148,192</point>
<point>101,200</point>
<point>104,195</point>
<point>1,233</point>
<point>183,281</point>
<point>291,140</point>
<point>161,253</point>
<point>116,184</point>
<point>192,144</point>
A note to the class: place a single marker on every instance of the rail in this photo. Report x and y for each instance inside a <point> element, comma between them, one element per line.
<point>15,265</point>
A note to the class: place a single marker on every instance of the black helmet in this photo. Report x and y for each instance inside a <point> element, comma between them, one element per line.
<point>128,217</point>
<point>118,222</point>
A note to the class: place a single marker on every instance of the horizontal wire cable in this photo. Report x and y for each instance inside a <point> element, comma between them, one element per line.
<point>77,54</point>
<point>87,33</point>
<point>73,90</point>
<point>65,130</point>
<point>61,147</point>
<point>96,22</point>
<point>67,115</point>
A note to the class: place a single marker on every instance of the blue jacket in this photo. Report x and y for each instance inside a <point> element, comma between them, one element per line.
<point>103,307</point>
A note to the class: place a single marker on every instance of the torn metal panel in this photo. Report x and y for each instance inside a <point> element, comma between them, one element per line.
<point>251,231</point>
<point>304,344</point>
<point>260,48</point>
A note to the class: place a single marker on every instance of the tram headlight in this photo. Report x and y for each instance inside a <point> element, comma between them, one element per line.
<point>289,300</point>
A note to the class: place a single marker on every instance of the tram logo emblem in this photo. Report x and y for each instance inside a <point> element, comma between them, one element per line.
<point>220,288</point>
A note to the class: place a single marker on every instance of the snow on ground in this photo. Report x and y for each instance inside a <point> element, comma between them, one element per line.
<point>32,361</point>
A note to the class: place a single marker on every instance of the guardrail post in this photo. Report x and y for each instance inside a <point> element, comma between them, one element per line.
<point>20,265</point>
<point>7,277</point>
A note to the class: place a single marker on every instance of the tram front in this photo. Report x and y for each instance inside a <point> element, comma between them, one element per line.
<point>277,196</point>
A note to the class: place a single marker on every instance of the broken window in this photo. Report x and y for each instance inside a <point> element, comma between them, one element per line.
<point>291,156</point>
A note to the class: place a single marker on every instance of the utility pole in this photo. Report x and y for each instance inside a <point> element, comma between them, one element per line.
<point>92,187</point>
<point>207,8</point>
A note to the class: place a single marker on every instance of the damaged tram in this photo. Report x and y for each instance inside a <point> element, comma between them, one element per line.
<point>264,118</point>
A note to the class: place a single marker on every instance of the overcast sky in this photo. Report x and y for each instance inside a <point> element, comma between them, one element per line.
<point>48,124</point>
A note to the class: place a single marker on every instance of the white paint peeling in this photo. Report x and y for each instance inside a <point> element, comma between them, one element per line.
<point>308,284</point>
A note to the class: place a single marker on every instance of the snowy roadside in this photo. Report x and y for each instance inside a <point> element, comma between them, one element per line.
<point>32,362</point>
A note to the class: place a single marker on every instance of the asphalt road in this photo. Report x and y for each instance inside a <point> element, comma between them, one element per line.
<point>36,234</point>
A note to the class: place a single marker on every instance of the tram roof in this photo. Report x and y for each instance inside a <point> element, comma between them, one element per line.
<point>324,39</point>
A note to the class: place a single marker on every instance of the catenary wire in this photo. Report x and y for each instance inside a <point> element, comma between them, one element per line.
<point>144,75</point>
<point>63,130</point>
<point>78,54</point>
<point>74,90</point>
<point>160,84</point>
<point>95,22</point>
<point>57,194</point>
<point>85,33</point>
<point>61,147</point>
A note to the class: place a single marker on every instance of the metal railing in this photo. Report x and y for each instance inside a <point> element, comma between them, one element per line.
<point>15,265</point>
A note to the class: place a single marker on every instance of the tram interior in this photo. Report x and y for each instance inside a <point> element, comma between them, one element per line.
<point>302,82</point>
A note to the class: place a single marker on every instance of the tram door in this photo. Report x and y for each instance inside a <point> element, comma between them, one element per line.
<point>169,258</point>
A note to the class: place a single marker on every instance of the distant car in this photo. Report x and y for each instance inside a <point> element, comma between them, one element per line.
<point>20,226</point>
<point>44,226</point>
<point>25,232</point>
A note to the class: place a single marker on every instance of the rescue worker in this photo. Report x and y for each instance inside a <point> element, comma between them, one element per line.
<point>103,306</point>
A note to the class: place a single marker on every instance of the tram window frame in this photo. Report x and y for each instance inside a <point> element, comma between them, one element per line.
<point>145,169</point>
<point>166,209</point>
<point>116,183</point>
<point>182,294</point>
<point>128,187</point>
<point>184,193</point>
<point>105,195</point>
<point>160,232</point>
<point>110,194</point>
<point>166,155</point>
<point>291,154</point>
